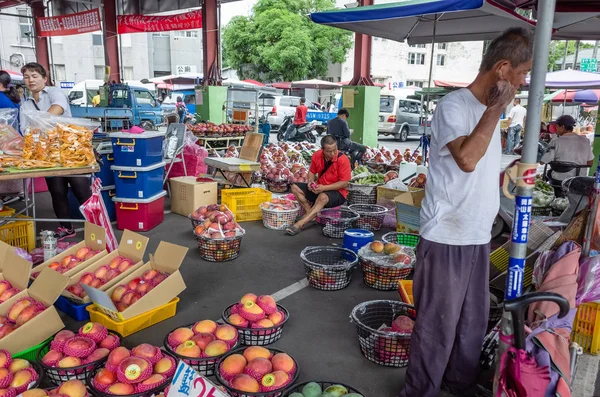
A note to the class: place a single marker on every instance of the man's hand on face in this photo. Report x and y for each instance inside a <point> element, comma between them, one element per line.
<point>501,94</point>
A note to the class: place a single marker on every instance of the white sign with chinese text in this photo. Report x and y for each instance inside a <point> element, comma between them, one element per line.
<point>181,69</point>
<point>187,382</point>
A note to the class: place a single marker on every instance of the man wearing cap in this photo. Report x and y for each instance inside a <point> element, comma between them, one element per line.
<point>568,147</point>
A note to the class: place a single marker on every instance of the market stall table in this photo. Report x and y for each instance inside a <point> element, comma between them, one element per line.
<point>29,193</point>
<point>222,142</point>
<point>233,165</point>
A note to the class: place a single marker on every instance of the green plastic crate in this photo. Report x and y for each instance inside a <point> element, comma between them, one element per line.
<point>405,239</point>
<point>31,353</point>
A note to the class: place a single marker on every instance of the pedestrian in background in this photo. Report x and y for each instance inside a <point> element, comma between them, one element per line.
<point>516,121</point>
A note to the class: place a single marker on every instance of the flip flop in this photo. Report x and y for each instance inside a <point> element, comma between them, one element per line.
<point>292,230</point>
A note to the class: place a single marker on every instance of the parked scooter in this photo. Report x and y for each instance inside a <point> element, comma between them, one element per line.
<point>302,133</point>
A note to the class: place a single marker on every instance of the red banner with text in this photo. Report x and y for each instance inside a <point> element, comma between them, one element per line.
<point>147,23</point>
<point>66,25</point>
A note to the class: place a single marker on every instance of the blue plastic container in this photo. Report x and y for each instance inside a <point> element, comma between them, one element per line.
<point>139,182</point>
<point>137,150</point>
<point>108,192</point>
<point>355,239</point>
<point>73,310</point>
<point>105,174</point>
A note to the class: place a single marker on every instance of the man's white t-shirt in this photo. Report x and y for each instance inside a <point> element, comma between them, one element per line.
<point>517,116</point>
<point>459,207</point>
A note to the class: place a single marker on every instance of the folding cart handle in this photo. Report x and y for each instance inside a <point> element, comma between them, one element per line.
<point>132,143</point>
<point>518,306</point>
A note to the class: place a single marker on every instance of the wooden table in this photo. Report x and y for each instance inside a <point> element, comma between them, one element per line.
<point>233,165</point>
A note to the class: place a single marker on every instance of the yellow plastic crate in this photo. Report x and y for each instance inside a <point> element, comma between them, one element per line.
<point>405,289</point>
<point>245,203</point>
<point>7,211</point>
<point>137,323</point>
<point>19,233</point>
<point>586,327</point>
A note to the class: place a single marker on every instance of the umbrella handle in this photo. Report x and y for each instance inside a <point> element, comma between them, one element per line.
<point>517,307</point>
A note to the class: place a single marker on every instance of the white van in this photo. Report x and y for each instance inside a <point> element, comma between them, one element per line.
<point>388,109</point>
<point>83,92</point>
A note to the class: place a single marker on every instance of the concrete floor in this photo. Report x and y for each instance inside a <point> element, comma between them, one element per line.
<point>319,334</point>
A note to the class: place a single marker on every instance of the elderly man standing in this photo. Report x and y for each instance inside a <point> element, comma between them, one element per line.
<point>328,178</point>
<point>450,287</point>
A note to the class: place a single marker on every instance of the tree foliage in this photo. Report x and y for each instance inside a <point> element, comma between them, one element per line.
<point>277,42</point>
<point>557,53</point>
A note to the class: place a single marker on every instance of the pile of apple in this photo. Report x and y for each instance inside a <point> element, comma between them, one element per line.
<point>394,252</point>
<point>141,369</point>
<point>390,176</point>
<point>258,312</point>
<point>232,152</point>
<point>90,345</point>
<point>214,131</point>
<point>70,388</point>
<point>70,261</point>
<point>256,369</point>
<point>126,295</point>
<point>7,291</point>
<point>204,339</point>
<point>16,374</point>
<point>101,275</point>
<point>300,174</point>
<point>19,313</point>
<point>419,181</point>
<point>280,204</point>
<point>217,222</point>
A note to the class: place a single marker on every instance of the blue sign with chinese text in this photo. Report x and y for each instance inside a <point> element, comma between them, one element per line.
<point>522,219</point>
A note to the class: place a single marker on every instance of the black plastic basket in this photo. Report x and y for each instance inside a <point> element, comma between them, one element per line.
<point>336,221</point>
<point>257,336</point>
<point>384,278</point>
<point>278,187</point>
<point>57,376</point>
<point>405,239</point>
<point>357,194</point>
<point>324,385</point>
<point>371,216</point>
<point>219,250</point>
<point>496,307</point>
<point>329,268</point>
<point>387,348</point>
<point>235,393</point>
<point>205,366</point>
<point>148,393</point>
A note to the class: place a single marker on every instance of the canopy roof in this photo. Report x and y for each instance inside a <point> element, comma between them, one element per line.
<point>315,83</point>
<point>412,20</point>
<point>571,79</point>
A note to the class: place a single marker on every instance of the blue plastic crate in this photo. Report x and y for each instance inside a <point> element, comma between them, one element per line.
<point>137,150</point>
<point>108,192</point>
<point>78,312</point>
<point>105,174</point>
<point>139,182</point>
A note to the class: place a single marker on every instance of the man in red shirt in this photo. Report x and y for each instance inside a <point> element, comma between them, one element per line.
<point>328,178</point>
<point>301,112</point>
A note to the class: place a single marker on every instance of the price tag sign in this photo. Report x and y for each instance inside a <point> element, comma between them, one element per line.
<point>188,383</point>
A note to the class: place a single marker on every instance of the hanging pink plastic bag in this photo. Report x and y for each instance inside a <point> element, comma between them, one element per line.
<point>588,282</point>
<point>95,212</point>
<point>193,155</point>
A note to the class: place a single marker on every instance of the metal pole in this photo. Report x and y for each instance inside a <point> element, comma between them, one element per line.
<point>435,18</point>
<point>527,167</point>
<point>576,54</point>
<point>564,62</point>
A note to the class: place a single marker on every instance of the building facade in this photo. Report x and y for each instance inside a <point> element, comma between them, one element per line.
<point>81,57</point>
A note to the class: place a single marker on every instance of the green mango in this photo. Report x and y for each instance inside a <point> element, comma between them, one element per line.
<point>312,389</point>
<point>346,395</point>
<point>336,390</point>
<point>296,395</point>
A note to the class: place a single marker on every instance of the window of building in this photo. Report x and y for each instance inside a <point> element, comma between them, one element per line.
<point>442,46</point>
<point>128,73</point>
<point>416,59</point>
<point>97,39</point>
<point>382,39</point>
<point>25,27</point>
<point>414,83</point>
<point>60,73</point>
<point>160,34</point>
<point>441,60</point>
<point>186,33</point>
<point>417,46</point>
<point>329,79</point>
<point>99,72</point>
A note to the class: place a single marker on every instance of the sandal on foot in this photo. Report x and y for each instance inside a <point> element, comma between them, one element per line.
<point>292,230</point>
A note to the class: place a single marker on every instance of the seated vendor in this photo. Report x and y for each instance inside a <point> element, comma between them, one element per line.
<point>328,178</point>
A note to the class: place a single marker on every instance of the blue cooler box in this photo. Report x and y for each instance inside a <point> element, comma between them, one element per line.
<point>137,150</point>
<point>139,182</point>
<point>105,174</point>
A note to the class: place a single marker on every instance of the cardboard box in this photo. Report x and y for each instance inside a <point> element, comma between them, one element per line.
<point>167,259</point>
<point>187,194</point>
<point>4,248</point>
<point>45,289</point>
<point>408,210</point>
<point>16,269</point>
<point>132,246</point>
<point>94,238</point>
